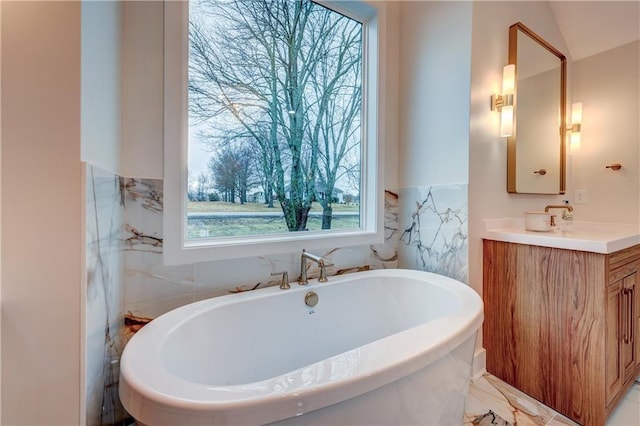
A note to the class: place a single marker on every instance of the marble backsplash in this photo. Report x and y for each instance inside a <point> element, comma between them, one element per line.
<point>128,285</point>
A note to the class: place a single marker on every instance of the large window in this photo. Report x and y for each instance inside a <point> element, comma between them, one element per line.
<point>273,103</point>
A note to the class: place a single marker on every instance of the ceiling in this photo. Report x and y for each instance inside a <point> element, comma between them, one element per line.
<point>591,27</point>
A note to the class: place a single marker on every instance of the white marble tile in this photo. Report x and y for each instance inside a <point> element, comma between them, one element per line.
<point>433,229</point>
<point>490,397</point>
<point>143,214</point>
<point>147,278</point>
<point>634,392</point>
<point>627,413</point>
<point>154,308</point>
<point>103,247</point>
<point>484,397</point>
<point>386,254</point>
<point>247,271</point>
<point>104,304</point>
<point>524,405</point>
<point>560,420</point>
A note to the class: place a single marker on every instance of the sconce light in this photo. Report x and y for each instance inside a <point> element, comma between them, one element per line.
<point>504,101</point>
<point>576,123</point>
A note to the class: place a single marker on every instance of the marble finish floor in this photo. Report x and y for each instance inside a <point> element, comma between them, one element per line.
<point>493,402</point>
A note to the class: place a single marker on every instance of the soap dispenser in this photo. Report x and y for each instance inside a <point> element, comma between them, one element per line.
<point>567,218</point>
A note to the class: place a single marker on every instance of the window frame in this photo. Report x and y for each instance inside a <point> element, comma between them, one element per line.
<point>176,248</point>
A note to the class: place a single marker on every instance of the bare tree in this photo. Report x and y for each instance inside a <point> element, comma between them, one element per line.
<point>245,179</point>
<point>233,173</point>
<point>263,168</point>
<point>337,88</point>
<point>224,170</point>
<point>269,70</point>
<point>191,183</point>
<point>202,187</point>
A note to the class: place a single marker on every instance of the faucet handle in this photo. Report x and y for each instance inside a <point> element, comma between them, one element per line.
<point>284,283</point>
<point>323,271</point>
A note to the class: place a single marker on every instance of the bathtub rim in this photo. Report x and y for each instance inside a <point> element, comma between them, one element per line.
<point>143,385</point>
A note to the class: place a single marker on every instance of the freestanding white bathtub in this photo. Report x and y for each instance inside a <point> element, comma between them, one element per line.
<point>380,347</point>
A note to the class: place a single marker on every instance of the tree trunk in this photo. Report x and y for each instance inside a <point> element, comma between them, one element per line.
<point>267,187</point>
<point>243,194</point>
<point>296,216</point>
<point>268,195</point>
<point>327,212</point>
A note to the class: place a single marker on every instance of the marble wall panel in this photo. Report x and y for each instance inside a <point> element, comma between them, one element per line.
<point>433,230</point>
<point>146,278</point>
<point>105,296</point>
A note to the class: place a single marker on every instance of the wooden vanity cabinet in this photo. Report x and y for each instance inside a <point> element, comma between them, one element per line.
<point>562,325</point>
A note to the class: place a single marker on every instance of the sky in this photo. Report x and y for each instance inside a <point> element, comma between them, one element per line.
<point>198,156</point>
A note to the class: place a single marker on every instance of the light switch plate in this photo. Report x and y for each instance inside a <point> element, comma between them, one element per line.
<point>581,196</point>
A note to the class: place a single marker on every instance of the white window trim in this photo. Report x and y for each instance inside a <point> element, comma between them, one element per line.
<point>175,247</point>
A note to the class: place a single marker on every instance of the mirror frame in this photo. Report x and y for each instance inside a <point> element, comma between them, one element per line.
<point>511,140</point>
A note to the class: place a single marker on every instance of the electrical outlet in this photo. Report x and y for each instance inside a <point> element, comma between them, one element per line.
<point>581,196</point>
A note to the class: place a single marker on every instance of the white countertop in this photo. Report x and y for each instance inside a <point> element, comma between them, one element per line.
<point>596,237</point>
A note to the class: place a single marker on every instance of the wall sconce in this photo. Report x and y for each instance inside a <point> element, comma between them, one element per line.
<point>576,123</point>
<point>504,101</point>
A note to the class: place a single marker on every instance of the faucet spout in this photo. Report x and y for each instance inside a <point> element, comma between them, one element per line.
<point>303,280</point>
<point>563,206</point>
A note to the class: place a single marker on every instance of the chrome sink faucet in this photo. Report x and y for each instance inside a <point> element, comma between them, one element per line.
<point>303,267</point>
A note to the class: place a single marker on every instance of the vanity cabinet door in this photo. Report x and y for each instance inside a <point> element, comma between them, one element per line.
<point>614,370</point>
<point>629,319</point>
<point>636,296</point>
<point>623,349</point>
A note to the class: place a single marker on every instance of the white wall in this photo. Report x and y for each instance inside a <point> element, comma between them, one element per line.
<point>608,85</point>
<point>0,214</point>
<point>488,197</point>
<point>392,93</point>
<point>435,62</point>
<point>101,86</point>
<point>42,221</point>
<point>142,89</point>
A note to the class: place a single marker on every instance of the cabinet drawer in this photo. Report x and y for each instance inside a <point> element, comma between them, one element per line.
<point>623,257</point>
<point>623,271</point>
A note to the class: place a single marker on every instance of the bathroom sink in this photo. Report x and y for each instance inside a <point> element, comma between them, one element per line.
<point>597,237</point>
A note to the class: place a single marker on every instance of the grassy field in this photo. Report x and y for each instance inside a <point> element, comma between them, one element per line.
<point>220,206</point>
<point>212,227</point>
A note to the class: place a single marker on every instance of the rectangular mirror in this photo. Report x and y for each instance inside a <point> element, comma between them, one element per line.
<point>536,149</point>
